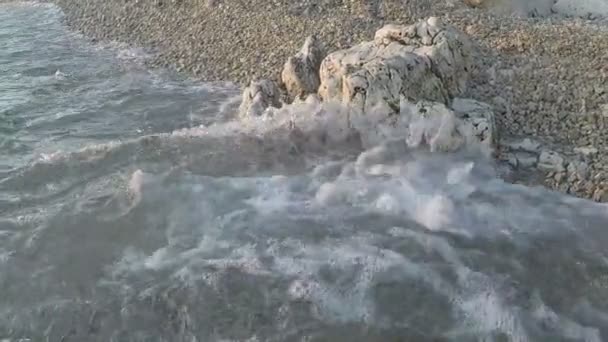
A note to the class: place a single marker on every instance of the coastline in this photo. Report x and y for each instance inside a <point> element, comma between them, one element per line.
<point>546,78</point>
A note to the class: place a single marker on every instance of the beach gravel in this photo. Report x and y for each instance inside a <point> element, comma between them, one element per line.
<point>546,77</point>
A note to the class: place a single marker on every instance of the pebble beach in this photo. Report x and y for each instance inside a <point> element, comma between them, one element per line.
<point>545,75</point>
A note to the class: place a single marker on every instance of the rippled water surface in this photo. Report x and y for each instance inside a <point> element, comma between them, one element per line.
<point>133,207</point>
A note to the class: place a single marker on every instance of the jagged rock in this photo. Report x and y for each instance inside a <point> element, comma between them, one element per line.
<point>258,97</point>
<point>477,121</point>
<point>551,161</point>
<point>444,129</point>
<point>301,72</point>
<point>425,61</point>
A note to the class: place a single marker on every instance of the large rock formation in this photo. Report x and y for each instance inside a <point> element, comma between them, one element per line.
<point>425,61</point>
<point>301,72</point>
<point>408,77</point>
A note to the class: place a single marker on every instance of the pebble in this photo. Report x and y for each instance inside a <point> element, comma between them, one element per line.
<point>604,110</point>
<point>550,161</point>
<point>525,145</point>
<point>586,151</point>
<point>600,195</point>
<point>580,168</point>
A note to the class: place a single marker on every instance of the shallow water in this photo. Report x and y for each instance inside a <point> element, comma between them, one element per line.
<point>122,218</point>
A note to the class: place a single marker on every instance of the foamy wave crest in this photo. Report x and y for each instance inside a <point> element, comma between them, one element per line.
<point>364,241</point>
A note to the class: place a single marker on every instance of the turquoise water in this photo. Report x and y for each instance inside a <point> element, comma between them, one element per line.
<point>135,207</point>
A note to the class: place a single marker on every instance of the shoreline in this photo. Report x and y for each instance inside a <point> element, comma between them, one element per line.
<point>546,78</point>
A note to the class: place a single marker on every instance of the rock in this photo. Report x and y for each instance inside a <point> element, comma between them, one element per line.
<point>600,195</point>
<point>525,145</point>
<point>586,151</point>
<point>512,160</point>
<point>425,61</point>
<point>500,104</point>
<point>301,72</point>
<point>604,110</point>
<point>579,168</point>
<point>259,96</point>
<point>444,129</point>
<point>450,52</point>
<point>550,161</point>
<point>477,121</point>
<point>526,160</point>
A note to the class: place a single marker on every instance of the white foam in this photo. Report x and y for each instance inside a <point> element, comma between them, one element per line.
<point>124,51</point>
<point>5,255</point>
<point>330,234</point>
<point>331,194</point>
<point>135,185</point>
<point>346,302</point>
<point>565,326</point>
<point>434,212</point>
<point>251,225</point>
<point>59,75</point>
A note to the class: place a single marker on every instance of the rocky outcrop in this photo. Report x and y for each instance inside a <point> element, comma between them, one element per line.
<point>301,72</point>
<point>415,71</point>
<point>425,61</point>
<point>259,96</point>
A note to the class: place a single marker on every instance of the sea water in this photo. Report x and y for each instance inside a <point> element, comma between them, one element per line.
<point>135,206</point>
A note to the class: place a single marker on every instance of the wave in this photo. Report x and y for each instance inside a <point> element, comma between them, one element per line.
<point>318,224</point>
<point>311,222</point>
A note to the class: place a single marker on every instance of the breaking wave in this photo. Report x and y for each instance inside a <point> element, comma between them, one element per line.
<point>308,223</point>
